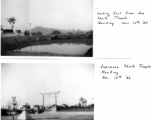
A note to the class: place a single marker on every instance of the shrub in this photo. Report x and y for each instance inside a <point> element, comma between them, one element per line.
<point>90,32</point>
<point>27,32</point>
<point>38,33</point>
<point>4,112</point>
<point>8,31</point>
<point>56,32</point>
<point>90,36</point>
<point>70,33</point>
<point>73,37</point>
<point>33,33</point>
<point>18,31</point>
<point>55,38</point>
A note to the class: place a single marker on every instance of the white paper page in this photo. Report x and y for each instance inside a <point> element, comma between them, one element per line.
<point>123,91</point>
<point>132,40</point>
<point>127,95</point>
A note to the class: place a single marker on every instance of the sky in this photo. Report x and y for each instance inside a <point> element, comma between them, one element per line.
<point>62,14</point>
<point>26,81</point>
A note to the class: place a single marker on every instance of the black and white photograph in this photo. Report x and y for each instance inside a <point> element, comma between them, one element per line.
<point>76,60</point>
<point>36,91</point>
<point>60,28</point>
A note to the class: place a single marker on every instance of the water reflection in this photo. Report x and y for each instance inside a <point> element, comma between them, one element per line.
<point>66,48</point>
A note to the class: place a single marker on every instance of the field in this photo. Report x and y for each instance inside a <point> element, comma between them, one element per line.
<point>58,116</point>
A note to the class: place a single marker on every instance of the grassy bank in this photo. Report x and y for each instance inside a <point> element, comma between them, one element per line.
<point>17,53</point>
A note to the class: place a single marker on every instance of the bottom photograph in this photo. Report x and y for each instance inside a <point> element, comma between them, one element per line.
<point>47,91</point>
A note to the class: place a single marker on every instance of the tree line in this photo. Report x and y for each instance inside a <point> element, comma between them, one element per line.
<point>12,106</point>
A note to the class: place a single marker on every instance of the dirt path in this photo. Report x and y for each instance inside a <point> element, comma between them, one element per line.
<point>58,116</point>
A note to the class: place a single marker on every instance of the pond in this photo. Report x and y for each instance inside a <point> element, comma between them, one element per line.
<point>57,48</point>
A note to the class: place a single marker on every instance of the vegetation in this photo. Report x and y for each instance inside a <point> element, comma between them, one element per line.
<point>56,32</point>
<point>18,31</point>
<point>19,53</point>
<point>1,27</point>
<point>33,33</point>
<point>82,101</point>
<point>75,108</point>
<point>81,106</point>
<point>11,21</point>
<point>8,31</point>
<point>14,102</point>
<point>79,31</point>
<point>9,44</point>
<point>70,33</point>
<point>27,32</point>
<point>90,32</point>
<point>73,36</point>
<point>38,33</point>
<point>9,109</point>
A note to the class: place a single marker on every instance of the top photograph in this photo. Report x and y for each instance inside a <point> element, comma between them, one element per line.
<point>48,28</point>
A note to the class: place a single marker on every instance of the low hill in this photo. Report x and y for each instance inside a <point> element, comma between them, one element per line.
<point>47,30</point>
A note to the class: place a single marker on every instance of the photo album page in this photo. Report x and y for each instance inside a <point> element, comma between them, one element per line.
<point>76,60</point>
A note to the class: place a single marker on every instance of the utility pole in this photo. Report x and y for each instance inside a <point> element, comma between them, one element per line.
<point>30,29</point>
<point>55,100</point>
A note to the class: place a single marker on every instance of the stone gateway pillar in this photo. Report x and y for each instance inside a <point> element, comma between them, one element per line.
<point>55,93</point>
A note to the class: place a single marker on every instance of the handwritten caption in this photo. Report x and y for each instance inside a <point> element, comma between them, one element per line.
<point>121,18</point>
<point>115,72</point>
